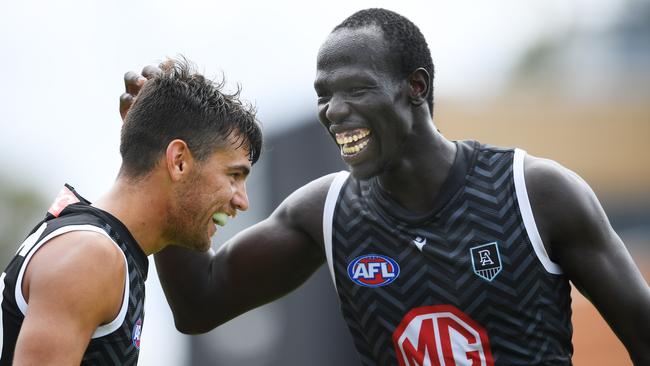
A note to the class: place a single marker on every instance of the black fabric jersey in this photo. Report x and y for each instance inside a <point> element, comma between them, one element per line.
<point>115,343</point>
<point>469,283</point>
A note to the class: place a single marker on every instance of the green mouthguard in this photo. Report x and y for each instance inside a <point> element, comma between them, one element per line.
<point>220,218</point>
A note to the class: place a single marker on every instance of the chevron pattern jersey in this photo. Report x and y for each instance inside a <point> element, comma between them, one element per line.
<point>115,343</point>
<point>469,283</point>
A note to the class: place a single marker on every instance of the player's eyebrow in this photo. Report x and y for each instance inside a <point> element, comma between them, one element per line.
<point>244,169</point>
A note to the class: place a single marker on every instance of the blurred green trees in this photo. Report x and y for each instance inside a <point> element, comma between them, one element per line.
<point>21,207</point>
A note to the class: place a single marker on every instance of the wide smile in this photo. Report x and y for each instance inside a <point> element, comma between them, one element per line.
<point>353,142</point>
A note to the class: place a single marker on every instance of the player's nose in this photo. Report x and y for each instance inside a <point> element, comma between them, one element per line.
<point>240,198</point>
<point>337,109</point>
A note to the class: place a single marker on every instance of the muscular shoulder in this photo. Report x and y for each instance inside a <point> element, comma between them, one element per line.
<point>563,204</point>
<point>311,196</point>
<point>79,269</point>
<point>79,251</point>
<point>303,209</point>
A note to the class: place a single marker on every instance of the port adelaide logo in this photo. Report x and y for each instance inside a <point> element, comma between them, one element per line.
<point>373,270</point>
<point>486,260</point>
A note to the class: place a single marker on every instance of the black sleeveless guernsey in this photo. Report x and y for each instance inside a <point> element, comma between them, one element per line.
<point>469,283</point>
<point>115,343</point>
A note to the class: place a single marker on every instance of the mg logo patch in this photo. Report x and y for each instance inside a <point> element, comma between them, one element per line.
<point>373,270</point>
<point>441,335</point>
<point>486,260</point>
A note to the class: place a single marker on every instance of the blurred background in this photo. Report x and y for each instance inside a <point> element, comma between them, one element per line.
<point>564,79</point>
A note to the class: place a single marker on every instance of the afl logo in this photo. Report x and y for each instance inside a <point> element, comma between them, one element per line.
<point>137,332</point>
<point>373,270</point>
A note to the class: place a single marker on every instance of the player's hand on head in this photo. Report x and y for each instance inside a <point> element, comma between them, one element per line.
<point>133,82</point>
<point>150,71</point>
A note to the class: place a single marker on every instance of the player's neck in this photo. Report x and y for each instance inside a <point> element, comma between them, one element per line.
<point>140,208</point>
<point>415,180</point>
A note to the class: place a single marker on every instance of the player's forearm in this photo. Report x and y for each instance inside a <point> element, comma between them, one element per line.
<point>248,271</point>
<point>205,290</point>
<point>637,340</point>
<point>185,277</point>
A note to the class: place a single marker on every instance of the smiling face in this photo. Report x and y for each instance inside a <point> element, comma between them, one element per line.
<point>216,185</point>
<point>364,106</point>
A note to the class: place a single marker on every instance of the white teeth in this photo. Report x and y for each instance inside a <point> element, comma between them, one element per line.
<point>354,149</point>
<point>344,138</point>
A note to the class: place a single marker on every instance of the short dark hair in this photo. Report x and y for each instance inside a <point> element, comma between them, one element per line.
<point>404,38</point>
<point>180,103</point>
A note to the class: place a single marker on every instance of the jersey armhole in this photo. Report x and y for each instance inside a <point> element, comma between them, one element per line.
<point>527,214</point>
<point>328,218</point>
<point>101,330</point>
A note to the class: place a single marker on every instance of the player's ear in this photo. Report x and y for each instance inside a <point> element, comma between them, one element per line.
<point>178,159</point>
<point>419,86</point>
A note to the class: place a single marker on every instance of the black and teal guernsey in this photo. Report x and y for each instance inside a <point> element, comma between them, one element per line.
<point>114,343</point>
<point>469,283</point>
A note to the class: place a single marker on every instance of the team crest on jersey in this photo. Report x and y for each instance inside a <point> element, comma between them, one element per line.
<point>486,260</point>
<point>373,270</point>
<point>137,332</point>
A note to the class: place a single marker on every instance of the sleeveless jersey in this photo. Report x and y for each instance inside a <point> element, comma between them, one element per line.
<point>469,283</point>
<point>115,343</point>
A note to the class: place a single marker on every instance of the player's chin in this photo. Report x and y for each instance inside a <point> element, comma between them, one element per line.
<point>364,171</point>
<point>200,243</point>
<point>204,245</point>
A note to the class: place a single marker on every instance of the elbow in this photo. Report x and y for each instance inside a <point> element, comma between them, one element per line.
<point>187,328</point>
<point>194,326</point>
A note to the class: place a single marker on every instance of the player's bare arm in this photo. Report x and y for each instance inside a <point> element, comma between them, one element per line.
<point>259,265</point>
<point>72,285</point>
<point>579,237</point>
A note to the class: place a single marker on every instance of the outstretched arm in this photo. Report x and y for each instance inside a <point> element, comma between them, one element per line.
<point>579,237</point>
<point>259,265</point>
